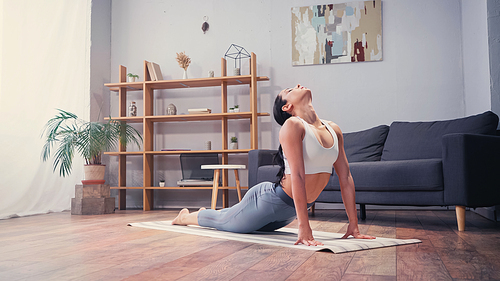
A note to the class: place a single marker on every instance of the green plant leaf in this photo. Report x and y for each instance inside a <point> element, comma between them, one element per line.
<point>64,155</point>
<point>67,132</point>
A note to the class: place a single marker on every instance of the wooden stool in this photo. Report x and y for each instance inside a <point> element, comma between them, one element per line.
<point>217,169</point>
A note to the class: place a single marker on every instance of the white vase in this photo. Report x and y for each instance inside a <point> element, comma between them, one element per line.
<point>233,145</point>
<point>185,76</point>
<point>131,79</point>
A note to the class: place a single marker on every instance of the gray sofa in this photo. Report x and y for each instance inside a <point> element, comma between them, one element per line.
<point>442,163</point>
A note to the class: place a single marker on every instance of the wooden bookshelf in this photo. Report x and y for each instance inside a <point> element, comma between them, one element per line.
<point>148,87</point>
<point>176,187</point>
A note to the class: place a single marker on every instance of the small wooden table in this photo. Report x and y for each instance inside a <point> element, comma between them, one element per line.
<point>217,169</point>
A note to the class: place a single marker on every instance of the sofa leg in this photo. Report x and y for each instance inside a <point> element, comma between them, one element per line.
<point>460,211</point>
<point>362,211</point>
<point>313,208</point>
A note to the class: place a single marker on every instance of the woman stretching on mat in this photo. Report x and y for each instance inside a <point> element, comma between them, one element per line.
<point>309,147</point>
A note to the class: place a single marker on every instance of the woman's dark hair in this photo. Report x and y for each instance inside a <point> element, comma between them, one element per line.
<point>280,116</point>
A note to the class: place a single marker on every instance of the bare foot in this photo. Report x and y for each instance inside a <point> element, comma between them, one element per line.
<point>179,219</point>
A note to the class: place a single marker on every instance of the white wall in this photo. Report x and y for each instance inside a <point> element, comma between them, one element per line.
<point>475,57</point>
<point>156,31</point>
<point>44,66</point>
<point>421,76</point>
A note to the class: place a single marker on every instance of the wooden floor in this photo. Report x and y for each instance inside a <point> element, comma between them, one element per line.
<point>60,246</point>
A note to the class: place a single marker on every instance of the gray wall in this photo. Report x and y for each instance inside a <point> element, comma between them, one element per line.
<point>476,57</point>
<point>100,68</point>
<point>494,51</point>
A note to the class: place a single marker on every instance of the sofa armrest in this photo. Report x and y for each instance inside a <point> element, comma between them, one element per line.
<point>257,158</point>
<point>471,170</point>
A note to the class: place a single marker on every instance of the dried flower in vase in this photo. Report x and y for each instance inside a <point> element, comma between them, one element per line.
<point>183,60</point>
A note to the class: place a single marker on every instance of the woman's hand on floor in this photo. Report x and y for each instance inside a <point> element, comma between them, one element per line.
<point>306,237</point>
<point>353,230</point>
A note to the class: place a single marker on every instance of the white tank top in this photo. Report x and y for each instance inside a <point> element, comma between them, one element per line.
<point>317,159</point>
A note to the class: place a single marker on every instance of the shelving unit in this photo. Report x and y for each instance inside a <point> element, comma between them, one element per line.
<point>148,120</point>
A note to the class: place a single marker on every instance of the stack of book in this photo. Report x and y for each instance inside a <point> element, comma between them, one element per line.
<point>154,71</point>
<point>199,110</point>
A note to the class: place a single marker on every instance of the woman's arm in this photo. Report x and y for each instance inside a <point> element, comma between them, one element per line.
<point>291,135</point>
<point>347,188</point>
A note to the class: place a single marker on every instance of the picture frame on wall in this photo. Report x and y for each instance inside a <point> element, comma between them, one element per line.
<point>337,33</point>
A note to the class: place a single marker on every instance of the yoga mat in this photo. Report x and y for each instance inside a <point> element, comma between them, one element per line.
<point>283,237</point>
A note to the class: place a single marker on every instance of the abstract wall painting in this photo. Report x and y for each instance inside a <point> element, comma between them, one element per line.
<point>337,33</point>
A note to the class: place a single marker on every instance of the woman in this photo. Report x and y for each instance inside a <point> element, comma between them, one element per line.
<point>309,147</point>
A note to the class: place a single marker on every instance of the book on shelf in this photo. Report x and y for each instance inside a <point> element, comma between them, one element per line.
<point>157,70</point>
<point>199,110</point>
<point>151,71</point>
<point>154,71</point>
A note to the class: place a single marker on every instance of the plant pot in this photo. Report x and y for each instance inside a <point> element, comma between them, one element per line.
<point>233,145</point>
<point>162,183</point>
<point>94,174</point>
<point>131,79</point>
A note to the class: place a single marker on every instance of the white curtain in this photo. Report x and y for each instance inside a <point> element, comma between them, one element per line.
<point>44,65</point>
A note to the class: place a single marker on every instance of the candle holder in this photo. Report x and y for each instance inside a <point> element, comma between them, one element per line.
<point>237,53</point>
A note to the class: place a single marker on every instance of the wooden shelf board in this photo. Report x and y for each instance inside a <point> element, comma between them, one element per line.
<point>186,83</point>
<point>132,153</point>
<point>175,187</point>
<point>203,82</point>
<point>116,153</point>
<point>189,117</point>
<point>198,151</point>
<point>130,86</point>
<point>126,187</point>
<point>203,117</point>
<point>135,119</point>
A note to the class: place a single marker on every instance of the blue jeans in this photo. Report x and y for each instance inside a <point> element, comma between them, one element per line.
<point>265,207</point>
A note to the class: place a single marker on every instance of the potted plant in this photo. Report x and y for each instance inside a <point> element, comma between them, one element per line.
<point>69,133</point>
<point>132,77</point>
<point>162,183</point>
<point>236,108</point>
<point>234,143</point>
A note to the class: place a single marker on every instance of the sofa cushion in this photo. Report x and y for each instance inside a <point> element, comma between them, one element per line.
<point>365,145</point>
<point>267,173</point>
<point>403,175</point>
<point>423,140</point>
